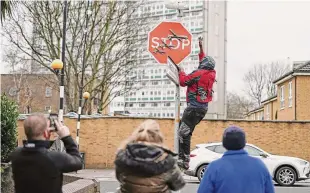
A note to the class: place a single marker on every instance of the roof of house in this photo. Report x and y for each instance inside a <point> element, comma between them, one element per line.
<point>305,68</point>
<point>270,98</point>
<point>256,109</point>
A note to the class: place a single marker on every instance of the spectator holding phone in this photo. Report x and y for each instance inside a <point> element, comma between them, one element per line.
<point>35,168</point>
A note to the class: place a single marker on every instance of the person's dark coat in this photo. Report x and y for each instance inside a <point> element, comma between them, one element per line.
<point>146,168</point>
<point>39,170</point>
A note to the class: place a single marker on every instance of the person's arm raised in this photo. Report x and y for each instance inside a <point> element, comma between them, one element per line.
<point>201,53</point>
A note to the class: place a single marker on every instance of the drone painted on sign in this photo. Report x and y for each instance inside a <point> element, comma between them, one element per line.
<point>170,37</point>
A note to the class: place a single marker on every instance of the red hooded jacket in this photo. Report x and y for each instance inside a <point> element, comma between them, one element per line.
<point>199,83</point>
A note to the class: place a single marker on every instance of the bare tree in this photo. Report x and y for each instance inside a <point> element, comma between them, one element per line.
<point>112,44</point>
<point>274,70</point>
<point>259,80</point>
<point>17,65</point>
<point>237,105</point>
<point>255,82</point>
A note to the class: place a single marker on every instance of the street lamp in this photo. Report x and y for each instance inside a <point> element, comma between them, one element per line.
<point>57,64</point>
<point>81,94</point>
<point>86,95</point>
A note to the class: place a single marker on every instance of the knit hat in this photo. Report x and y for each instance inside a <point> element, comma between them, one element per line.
<point>234,138</point>
<point>207,63</point>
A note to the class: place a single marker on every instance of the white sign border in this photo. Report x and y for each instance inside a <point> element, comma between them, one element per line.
<point>148,44</point>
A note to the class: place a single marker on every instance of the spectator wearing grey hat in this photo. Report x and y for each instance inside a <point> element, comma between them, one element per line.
<point>236,171</point>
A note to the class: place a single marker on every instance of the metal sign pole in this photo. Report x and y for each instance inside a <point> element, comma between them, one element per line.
<point>177,118</point>
<point>173,75</point>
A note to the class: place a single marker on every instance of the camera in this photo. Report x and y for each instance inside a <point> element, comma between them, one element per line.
<point>52,118</point>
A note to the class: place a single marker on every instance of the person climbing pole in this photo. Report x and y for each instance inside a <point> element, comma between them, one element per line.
<point>199,92</point>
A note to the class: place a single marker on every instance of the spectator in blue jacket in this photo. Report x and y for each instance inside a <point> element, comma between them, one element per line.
<point>236,171</point>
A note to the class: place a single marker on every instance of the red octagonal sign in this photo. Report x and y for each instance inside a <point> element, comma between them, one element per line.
<point>170,39</point>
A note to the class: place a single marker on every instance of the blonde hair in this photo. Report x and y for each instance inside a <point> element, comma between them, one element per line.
<point>148,132</point>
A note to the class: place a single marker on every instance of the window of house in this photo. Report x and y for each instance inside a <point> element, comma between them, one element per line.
<point>151,93</point>
<point>28,92</point>
<point>142,105</point>
<point>267,112</point>
<point>282,104</point>
<point>158,114</point>
<point>167,104</point>
<point>257,116</point>
<point>48,92</point>
<point>142,93</point>
<point>290,95</point>
<point>47,108</point>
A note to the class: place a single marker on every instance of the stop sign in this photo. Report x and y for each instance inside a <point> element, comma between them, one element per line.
<point>169,39</point>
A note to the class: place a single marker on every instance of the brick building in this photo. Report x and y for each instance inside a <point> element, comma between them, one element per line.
<point>292,101</point>
<point>32,92</point>
<point>256,114</point>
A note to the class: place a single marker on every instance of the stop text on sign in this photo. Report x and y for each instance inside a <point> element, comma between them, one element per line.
<point>175,43</point>
<point>169,39</point>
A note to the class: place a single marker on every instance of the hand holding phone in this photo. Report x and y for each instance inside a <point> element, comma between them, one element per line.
<point>52,118</point>
<point>62,131</point>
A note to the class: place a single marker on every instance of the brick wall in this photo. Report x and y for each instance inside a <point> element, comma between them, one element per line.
<point>302,98</point>
<point>99,138</point>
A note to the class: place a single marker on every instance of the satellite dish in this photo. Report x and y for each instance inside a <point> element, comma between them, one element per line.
<point>13,91</point>
<point>176,5</point>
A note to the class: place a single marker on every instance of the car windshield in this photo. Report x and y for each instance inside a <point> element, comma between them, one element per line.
<point>252,151</point>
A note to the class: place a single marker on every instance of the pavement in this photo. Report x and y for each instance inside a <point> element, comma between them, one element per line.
<point>109,184</point>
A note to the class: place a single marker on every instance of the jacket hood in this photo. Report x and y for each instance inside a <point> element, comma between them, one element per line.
<point>144,159</point>
<point>207,63</point>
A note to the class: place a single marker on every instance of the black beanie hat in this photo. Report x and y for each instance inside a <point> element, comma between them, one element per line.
<point>234,138</point>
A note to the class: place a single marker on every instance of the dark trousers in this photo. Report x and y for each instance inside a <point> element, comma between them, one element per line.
<point>191,117</point>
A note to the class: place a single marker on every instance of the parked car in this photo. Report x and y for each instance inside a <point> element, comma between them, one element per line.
<point>71,114</point>
<point>284,170</point>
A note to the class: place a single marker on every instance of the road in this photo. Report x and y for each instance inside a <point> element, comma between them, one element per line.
<point>110,186</point>
<point>108,183</point>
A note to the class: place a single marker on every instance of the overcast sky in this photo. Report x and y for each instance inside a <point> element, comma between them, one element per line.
<point>265,31</point>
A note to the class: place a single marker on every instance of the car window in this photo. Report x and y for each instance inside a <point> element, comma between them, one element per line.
<point>211,148</point>
<point>252,151</point>
<point>220,149</point>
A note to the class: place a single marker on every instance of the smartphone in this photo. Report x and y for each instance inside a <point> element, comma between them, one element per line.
<point>52,118</point>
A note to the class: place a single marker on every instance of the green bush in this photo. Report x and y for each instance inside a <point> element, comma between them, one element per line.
<point>9,115</point>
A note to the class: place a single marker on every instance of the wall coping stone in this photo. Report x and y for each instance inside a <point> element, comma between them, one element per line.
<point>223,120</point>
